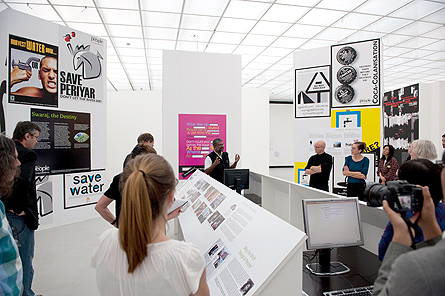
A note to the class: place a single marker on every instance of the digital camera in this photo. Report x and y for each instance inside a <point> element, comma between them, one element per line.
<point>401,196</point>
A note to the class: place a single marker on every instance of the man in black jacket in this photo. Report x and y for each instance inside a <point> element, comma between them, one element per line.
<point>217,161</point>
<point>21,207</point>
<point>319,167</point>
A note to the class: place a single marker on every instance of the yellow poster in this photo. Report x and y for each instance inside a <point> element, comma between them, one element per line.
<point>366,118</point>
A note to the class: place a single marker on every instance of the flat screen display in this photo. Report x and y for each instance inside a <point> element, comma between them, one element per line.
<point>332,222</point>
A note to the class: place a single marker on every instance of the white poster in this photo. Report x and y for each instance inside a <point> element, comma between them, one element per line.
<point>312,89</point>
<point>242,243</point>
<point>356,72</point>
<point>84,188</point>
<point>338,140</point>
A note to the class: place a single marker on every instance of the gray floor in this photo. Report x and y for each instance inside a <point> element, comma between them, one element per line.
<point>62,254</point>
<point>62,259</point>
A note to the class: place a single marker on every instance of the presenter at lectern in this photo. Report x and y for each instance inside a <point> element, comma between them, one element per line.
<point>218,160</point>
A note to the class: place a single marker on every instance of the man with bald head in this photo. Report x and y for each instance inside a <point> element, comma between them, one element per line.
<point>319,167</point>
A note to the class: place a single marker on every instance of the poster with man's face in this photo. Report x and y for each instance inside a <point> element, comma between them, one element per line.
<point>33,72</point>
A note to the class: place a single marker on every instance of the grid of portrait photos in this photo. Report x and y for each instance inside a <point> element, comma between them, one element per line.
<point>204,200</point>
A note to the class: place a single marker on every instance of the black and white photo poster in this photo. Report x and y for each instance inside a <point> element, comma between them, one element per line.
<point>312,88</point>
<point>356,74</point>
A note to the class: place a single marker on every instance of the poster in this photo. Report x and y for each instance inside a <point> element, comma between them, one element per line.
<point>226,227</point>
<point>312,90</point>
<point>64,143</point>
<point>82,72</point>
<point>356,72</point>
<point>196,133</point>
<point>401,119</point>
<point>33,72</point>
<point>83,189</point>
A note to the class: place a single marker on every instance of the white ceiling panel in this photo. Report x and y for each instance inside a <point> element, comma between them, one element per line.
<point>190,46</point>
<point>436,17</point>
<point>194,35</point>
<point>235,25</point>
<point>127,4</point>
<point>265,33</point>
<point>270,28</point>
<point>163,20</point>
<point>93,29</point>
<point>285,13</point>
<point>321,17</point>
<point>303,31</point>
<point>381,7</point>
<point>335,34</point>
<point>124,31</point>
<point>41,11</point>
<point>288,42</point>
<point>220,48</point>
<point>121,17</point>
<point>258,40</point>
<point>387,25</point>
<point>246,9</point>
<point>202,7</point>
<point>197,22</point>
<point>417,28</point>
<point>417,9</point>
<point>345,5</point>
<point>356,21</point>
<point>174,6</point>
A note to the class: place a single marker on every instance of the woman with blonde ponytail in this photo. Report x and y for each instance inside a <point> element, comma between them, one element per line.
<point>138,258</point>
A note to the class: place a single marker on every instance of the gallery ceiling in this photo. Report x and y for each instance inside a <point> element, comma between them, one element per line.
<point>264,32</point>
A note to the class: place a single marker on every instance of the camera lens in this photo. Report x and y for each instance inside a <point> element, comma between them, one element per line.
<point>374,194</point>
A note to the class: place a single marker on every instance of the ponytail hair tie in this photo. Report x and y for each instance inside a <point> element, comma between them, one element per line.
<point>142,172</point>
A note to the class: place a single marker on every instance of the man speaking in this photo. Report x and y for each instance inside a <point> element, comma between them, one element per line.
<point>319,167</point>
<point>218,160</point>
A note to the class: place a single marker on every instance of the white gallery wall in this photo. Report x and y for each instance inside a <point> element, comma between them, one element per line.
<point>131,114</point>
<point>432,113</point>
<point>200,83</point>
<point>255,130</point>
<point>281,136</point>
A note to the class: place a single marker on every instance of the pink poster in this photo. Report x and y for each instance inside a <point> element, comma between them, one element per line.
<point>196,133</point>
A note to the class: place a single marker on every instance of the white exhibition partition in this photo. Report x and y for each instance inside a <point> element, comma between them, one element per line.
<point>70,108</point>
<point>246,248</point>
<point>284,199</point>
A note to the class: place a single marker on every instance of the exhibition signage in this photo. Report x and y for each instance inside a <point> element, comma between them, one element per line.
<point>64,143</point>
<point>356,74</point>
<point>196,133</point>
<point>242,243</point>
<point>312,90</point>
<point>401,119</point>
<point>84,188</point>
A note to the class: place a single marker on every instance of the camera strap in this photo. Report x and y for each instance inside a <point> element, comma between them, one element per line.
<point>412,226</point>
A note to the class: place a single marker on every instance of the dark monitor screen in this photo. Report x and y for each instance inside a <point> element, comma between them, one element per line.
<point>332,223</point>
<point>236,179</point>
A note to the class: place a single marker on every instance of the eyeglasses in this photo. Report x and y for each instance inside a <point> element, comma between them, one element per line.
<point>32,136</point>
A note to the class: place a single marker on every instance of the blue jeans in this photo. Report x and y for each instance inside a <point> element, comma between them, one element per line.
<point>25,242</point>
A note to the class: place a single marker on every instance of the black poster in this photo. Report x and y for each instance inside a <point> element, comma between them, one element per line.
<point>33,72</point>
<point>64,143</point>
<point>401,119</point>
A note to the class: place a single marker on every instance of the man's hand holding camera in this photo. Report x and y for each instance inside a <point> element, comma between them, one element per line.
<point>426,220</point>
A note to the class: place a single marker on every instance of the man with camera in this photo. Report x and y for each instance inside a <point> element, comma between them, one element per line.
<point>406,271</point>
<point>414,172</point>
